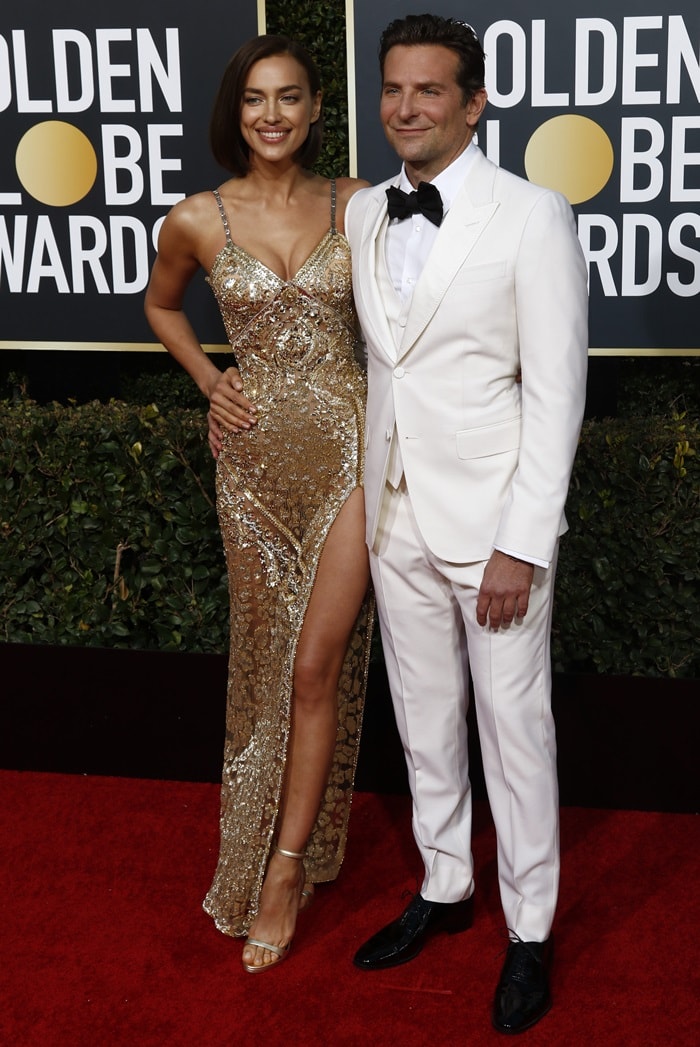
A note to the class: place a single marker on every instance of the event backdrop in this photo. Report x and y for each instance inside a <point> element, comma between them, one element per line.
<point>599,101</point>
<point>103,123</point>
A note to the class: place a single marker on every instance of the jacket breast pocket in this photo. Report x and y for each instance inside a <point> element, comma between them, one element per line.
<point>477,274</point>
<point>487,440</point>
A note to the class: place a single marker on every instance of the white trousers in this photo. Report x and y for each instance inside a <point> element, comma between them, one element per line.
<point>430,636</point>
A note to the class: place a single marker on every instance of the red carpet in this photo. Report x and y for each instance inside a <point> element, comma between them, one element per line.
<point>104,943</point>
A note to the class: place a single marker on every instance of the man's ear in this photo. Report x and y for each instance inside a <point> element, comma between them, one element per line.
<point>476,106</point>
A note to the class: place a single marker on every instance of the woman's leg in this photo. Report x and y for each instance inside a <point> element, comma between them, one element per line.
<point>339,588</point>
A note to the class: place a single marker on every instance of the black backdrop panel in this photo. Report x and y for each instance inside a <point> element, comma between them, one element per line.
<point>614,94</point>
<point>104,114</point>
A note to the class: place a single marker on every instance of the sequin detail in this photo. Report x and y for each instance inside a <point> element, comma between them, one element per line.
<point>279,489</point>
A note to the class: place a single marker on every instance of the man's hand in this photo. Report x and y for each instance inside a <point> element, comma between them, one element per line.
<point>228,406</point>
<point>214,436</point>
<point>228,409</point>
<point>505,590</point>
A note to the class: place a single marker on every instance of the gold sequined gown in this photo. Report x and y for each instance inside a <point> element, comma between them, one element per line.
<point>280,486</point>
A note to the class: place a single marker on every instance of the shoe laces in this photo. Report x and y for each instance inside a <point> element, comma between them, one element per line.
<point>520,960</point>
<point>415,913</point>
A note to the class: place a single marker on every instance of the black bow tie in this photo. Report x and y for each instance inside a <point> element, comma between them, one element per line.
<point>426,199</point>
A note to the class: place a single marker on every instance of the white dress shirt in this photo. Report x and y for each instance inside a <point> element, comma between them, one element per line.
<point>410,240</point>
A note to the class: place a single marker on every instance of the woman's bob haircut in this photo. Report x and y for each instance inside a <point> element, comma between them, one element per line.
<point>227,143</point>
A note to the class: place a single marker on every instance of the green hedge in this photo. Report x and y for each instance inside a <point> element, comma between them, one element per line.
<point>628,587</point>
<point>109,536</point>
<point>321,28</point>
<point>108,529</point>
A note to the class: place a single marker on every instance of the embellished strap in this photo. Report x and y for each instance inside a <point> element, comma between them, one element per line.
<point>276,949</point>
<point>224,217</point>
<point>333,202</point>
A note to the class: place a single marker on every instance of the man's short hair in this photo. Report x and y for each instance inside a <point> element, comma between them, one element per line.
<point>416,30</point>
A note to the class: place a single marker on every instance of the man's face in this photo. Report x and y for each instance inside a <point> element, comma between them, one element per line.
<point>423,112</point>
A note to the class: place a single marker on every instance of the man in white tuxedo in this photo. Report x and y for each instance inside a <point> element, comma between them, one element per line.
<point>476,332</point>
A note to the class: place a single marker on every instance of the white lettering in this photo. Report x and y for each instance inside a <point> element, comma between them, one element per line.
<point>73,71</point>
<point>84,99</point>
<point>681,250</point>
<point>680,50</point>
<point>107,71</point>
<point>82,255</point>
<point>600,256</point>
<point>5,80</point>
<point>632,157</point>
<point>151,66</point>
<point>516,35</point>
<point>585,28</point>
<point>539,50</point>
<point>155,232</point>
<point>45,242</point>
<point>157,163</point>
<point>681,158</point>
<point>112,163</point>
<point>632,254</point>
<point>607,59</point>
<point>12,255</point>
<point>138,257</point>
<point>86,242</point>
<point>493,141</point>
<point>632,60</point>
<point>25,104</point>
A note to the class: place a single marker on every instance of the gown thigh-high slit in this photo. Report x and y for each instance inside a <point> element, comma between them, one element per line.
<point>280,487</point>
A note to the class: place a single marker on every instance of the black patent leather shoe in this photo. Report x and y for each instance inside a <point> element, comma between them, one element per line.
<point>403,939</point>
<point>522,995</point>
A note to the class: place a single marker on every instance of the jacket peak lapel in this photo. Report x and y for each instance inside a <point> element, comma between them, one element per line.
<point>462,228</point>
<point>368,280</point>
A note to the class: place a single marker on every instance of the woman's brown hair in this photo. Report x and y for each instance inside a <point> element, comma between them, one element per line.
<point>227,143</point>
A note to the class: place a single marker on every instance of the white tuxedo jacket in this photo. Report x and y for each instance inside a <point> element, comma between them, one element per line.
<point>487,461</point>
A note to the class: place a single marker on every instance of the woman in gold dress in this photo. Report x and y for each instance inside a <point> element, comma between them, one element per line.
<point>289,486</point>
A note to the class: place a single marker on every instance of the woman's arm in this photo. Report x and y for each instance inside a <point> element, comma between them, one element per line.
<point>176,263</point>
<point>178,259</point>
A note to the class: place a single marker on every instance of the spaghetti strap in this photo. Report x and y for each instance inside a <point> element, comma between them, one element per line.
<point>224,217</point>
<point>333,201</point>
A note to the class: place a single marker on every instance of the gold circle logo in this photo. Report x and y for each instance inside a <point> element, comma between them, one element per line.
<point>571,154</point>
<point>56,163</point>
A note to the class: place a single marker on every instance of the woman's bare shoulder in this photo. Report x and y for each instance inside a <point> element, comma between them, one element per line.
<point>195,208</point>
<point>347,187</point>
<point>191,226</point>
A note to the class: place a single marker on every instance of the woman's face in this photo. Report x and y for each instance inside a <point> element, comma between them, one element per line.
<point>277,109</point>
